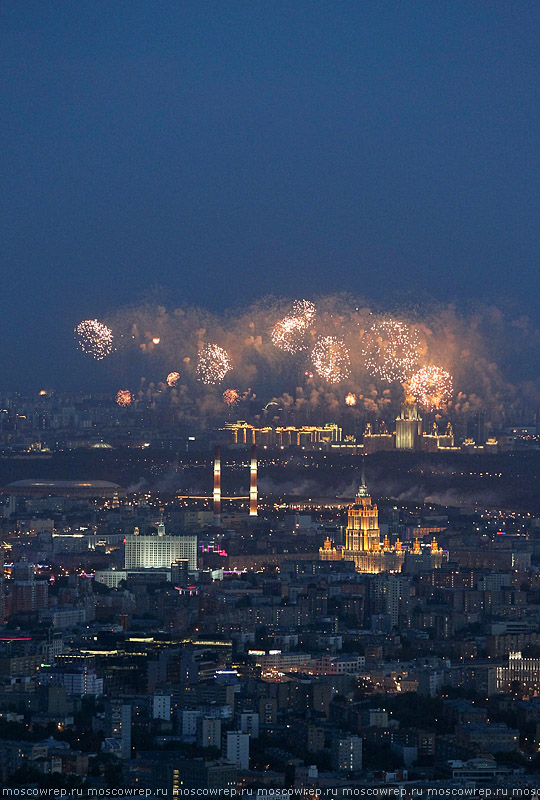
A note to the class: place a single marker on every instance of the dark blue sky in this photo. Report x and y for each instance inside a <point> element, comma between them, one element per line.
<point>226,150</point>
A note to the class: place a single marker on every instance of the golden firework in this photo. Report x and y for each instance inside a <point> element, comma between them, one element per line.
<point>231,397</point>
<point>331,359</point>
<point>431,387</point>
<point>214,363</point>
<point>289,333</point>
<point>173,378</point>
<point>124,398</point>
<point>391,350</point>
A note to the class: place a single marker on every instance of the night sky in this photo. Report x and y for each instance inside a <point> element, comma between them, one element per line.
<point>227,150</point>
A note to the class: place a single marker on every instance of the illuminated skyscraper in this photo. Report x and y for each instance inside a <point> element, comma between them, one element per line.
<point>363,531</point>
<point>363,538</point>
<point>408,426</point>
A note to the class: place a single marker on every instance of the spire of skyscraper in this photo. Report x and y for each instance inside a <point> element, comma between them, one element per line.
<point>363,491</point>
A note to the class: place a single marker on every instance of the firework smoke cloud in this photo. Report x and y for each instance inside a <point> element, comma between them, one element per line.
<point>317,357</point>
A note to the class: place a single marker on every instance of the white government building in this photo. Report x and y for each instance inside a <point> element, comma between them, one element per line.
<point>151,552</point>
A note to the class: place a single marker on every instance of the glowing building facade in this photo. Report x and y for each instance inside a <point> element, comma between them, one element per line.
<point>154,552</point>
<point>374,442</point>
<point>408,426</point>
<point>370,554</point>
<point>329,553</point>
<point>290,436</point>
<point>363,543</point>
<point>409,436</point>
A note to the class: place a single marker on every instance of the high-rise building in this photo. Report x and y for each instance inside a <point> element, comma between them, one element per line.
<point>249,723</point>
<point>268,710</point>
<point>408,426</point>
<point>26,594</point>
<point>161,707</point>
<point>370,554</point>
<point>480,424</point>
<point>346,753</point>
<point>179,572</point>
<point>209,732</point>
<point>385,593</point>
<point>118,726</point>
<point>159,551</point>
<point>236,748</point>
<point>363,538</point>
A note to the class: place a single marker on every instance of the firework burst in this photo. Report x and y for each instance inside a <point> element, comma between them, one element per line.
<point>231,397</point>
<point>289,333</point>
<point>391,350</point>
<point>331,359</point>
<point>431,387</point>
<point>173,378</point>
<point>214,363</point>
<point>350,400</point>
<point>304,309</point>
<point>383,355</point>
<point>95,338</point>
<point>124,398</point>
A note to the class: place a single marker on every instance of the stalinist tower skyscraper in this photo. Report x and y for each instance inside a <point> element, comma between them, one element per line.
<point>363,543</point>
<point>363,531</point>
<point>363,537</point>
<point>408,425</point>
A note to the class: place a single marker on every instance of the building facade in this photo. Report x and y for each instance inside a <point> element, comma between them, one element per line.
<point>159,550</point>
<point>363,543</point>
<point>408,426</point>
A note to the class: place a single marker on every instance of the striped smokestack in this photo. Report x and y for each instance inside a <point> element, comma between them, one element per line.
<point>253,482</point>
<point>217,485</point>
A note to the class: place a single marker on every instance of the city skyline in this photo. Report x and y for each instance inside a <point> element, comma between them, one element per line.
<point>270,398</point>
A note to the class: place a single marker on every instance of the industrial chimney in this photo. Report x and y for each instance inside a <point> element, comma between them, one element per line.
<point>253,482</point>
<point>217,485</point>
